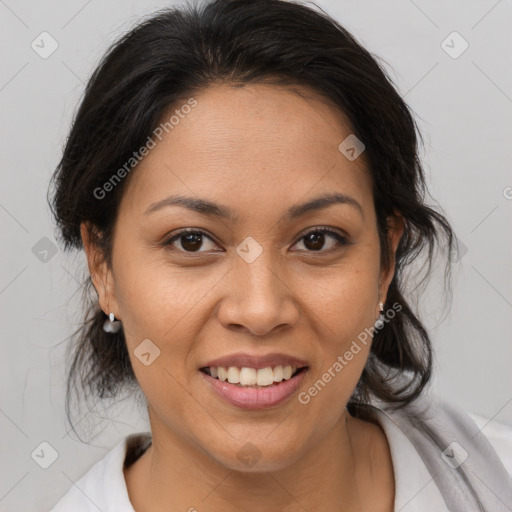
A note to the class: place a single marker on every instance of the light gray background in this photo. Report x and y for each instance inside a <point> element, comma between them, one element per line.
<point>463,106</point>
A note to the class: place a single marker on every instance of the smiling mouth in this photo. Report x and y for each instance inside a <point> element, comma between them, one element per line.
<point>252,377</point>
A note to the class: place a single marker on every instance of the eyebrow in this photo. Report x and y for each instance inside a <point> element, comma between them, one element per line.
<point>210,209</point>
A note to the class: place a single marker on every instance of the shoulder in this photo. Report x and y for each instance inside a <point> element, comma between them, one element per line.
<point>499,436</point>
<point>103,487</point>
<point>468,460</point>
<point>478,434</point>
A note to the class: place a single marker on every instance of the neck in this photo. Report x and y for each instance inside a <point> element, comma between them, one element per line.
<point>174,474</point>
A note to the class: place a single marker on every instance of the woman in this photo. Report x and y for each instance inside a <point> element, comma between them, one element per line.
<point>244,180</point>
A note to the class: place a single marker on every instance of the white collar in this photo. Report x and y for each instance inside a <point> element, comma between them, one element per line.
<point>415,489</point>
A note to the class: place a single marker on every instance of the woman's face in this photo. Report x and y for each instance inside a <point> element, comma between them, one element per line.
<point>253,290</point>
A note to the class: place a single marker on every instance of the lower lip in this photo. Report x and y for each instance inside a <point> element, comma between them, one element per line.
<point>255,398</point>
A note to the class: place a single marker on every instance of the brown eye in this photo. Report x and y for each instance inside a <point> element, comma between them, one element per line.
<point>316,240</point>
<point>190,241</point>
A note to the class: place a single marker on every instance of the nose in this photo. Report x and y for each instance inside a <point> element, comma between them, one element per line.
<point>259,297</point>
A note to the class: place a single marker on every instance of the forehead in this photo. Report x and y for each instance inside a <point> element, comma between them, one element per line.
<point>257,143</point>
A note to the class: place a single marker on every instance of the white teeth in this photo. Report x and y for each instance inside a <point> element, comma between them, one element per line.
<point>247,376</point>
<point>278,374</point>
<point>252,376</point>
<point>264,377</point>
<point>287,372</point>
<point>233,375</point>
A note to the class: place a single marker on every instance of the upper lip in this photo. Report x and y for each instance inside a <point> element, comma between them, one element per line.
<point>242,360</point>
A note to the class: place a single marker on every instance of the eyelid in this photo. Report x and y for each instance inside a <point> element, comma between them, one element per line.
<point>324,229</point>
<point>341,237</point>
<point>168,241</point>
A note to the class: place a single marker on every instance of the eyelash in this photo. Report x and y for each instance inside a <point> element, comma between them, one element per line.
<point>342,240</point>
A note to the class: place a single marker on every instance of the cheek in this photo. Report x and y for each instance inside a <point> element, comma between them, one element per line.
<point>344,297</point>
<point>167,306</point>
<point>159,303</point>
<point>344,343</point>
<point>158,299</point>
<point>344,304</point>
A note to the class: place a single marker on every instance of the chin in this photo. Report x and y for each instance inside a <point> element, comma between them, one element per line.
<point>256,457</point>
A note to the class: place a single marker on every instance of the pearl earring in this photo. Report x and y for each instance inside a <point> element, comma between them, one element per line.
<point>379,323</point>
<point>111,325</point>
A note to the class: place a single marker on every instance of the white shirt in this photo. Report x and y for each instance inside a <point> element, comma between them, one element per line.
<point>103,487</point>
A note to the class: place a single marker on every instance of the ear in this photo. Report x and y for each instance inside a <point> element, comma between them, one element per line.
<point>396,226</point>
<point>101,275</point>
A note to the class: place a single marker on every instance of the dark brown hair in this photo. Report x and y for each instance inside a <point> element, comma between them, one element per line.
<point>179,51</point>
